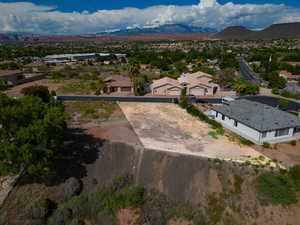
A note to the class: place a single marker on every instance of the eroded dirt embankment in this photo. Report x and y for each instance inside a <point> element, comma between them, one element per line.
<point>217,188</point>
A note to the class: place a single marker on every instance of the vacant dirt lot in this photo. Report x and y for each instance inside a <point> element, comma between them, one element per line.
<point>51,84</point>
<point>167,127</point>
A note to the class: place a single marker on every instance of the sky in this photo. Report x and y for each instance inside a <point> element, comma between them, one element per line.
<point>92,16</point>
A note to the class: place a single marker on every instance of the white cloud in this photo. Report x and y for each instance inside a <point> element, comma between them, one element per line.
<point>28,17</point>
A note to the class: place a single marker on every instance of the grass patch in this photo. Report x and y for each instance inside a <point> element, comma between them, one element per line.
<point>93,110</point>
<point>238,182</point>
<point>215,209</point>
<point>277,188</point>
<point>79,87</point>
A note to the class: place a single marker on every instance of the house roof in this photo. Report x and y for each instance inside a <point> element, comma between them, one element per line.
<point>164,81</point>
<point>5,73</point>
<point>118,81</point>
<point>198,78</point>
<point>258,116</point>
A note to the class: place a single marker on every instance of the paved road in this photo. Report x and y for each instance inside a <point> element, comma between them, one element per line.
<point>273,101</point>
<point>247,73</point>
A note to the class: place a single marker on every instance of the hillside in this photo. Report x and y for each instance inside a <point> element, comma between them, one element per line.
<point>276,31</point>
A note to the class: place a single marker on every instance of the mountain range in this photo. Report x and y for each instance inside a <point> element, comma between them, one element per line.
<point>163,29</point>
<point>171,32</point>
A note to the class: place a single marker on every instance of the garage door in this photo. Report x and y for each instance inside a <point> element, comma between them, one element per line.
<point>197,91</point>
<point>174,91</point>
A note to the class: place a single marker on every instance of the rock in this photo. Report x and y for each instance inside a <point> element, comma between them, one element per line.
<point>71,187</point>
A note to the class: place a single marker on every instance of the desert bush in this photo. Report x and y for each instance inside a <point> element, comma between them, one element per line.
<point>79,206</point>
<point>266,145</point>
<point>246,142</point>
<point>129,196</point>
<point>76,222</point>
<point>293,143</point>
<point>276,188</point>
<point>39,208</point>
<point>71,187</point>
<point>192,110</point>
<point>61,216</point>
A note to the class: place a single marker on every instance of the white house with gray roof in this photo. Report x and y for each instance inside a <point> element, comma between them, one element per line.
<point>258,122</point>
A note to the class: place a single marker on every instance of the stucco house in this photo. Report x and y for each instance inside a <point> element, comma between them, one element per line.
<point>257,122</point>
<point>118,84</point>
<point>198,84</point>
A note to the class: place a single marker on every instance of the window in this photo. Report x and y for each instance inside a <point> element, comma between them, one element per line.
<point>235,123</point>
<point>264,134</point>
<point>282,132</point>
<point>223,117</point>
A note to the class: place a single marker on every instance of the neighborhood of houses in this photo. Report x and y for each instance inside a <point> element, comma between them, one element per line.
<point>254,121</point>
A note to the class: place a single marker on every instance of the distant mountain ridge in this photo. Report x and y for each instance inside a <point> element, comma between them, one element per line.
<point>163,29</point>
<point>275,31</point>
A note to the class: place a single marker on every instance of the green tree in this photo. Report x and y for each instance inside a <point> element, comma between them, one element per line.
<point>31,132</point>
<point>38,91</point>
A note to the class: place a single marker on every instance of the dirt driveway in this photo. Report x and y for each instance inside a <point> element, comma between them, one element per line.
<point>167,127</point>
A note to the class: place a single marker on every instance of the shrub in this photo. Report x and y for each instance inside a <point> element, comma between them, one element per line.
<point>266,145</point>
<point>238,182</point>
<point>76,222</point>
<point>38,91</point>
<point>192,110</point>
<point>275,91</point>
<point>276,188</point>
<point>61,216</point>
<point>39,208</point>
<point>246,142</point>
<point>130,196</point>
<point>294,173</point>
<point>71,187</point>
<point>293,143</point>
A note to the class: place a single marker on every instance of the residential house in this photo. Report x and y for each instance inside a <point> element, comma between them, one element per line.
<point>118,84</point>
<point>257,122</point>
<point>288,76</point>
<point>11,76</point>
<point>145,66</point>
<point>198,84</point>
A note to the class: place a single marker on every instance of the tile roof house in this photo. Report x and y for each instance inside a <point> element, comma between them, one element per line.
<point>198,84</point>
<point>118,84</point>
<point>257,122</point>
<point>288,76</point>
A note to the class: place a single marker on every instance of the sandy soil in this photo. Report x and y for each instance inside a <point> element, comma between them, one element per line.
<point>286,154</point>
<point>128,216</point>
<point>166,127</point>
